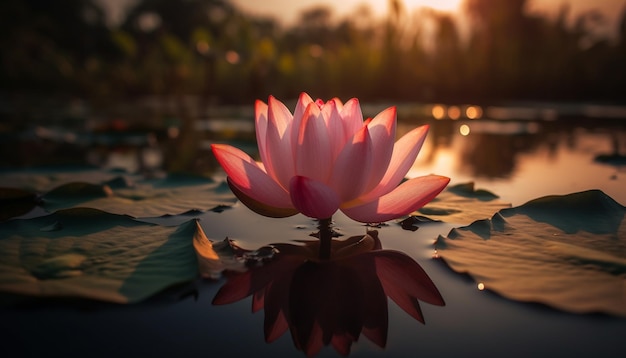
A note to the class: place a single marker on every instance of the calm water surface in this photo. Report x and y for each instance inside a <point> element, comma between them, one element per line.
<point>523,160</point>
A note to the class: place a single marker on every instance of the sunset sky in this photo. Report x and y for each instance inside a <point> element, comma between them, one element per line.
<point>288,10</point>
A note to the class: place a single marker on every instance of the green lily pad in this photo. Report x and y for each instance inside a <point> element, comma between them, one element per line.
<point>568,252</point>
<point>463,204</point>
<point>88,253</point>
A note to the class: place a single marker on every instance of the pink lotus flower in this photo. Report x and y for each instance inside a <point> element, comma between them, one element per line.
<point>325,158</point>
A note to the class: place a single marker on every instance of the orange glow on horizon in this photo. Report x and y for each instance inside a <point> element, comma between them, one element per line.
<point>410,6</point>
<point>442,5</point>
<point>288,11</point>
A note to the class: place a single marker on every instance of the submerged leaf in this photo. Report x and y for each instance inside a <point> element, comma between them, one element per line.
<point>568,252</point>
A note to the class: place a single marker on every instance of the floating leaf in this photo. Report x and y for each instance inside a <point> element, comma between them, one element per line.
<point>412,222</point>
<point>568,252</point>
<point>147,201</point>
<point>89,253</point>
<point>462,204</point>
<point>172,194</point>
<point>42,180</point>
<point>468,190</point>
<point>71,194</point>
<point>119,182</point>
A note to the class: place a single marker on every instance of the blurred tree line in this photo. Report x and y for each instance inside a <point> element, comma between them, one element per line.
<point>211,49</point>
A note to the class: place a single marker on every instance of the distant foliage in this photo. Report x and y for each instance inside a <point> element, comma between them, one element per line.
<point>211,49</point>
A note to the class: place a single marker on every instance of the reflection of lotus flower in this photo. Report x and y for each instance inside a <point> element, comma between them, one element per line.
<point>332,301</point>
<point>324,157</point>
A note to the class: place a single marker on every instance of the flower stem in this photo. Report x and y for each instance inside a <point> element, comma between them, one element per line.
<point>326,237</point>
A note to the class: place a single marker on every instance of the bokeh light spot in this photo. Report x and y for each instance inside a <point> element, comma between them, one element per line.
<point>232,57</point>
<point>464,130</point>
<point>473,112</point>
<point>454,112</point>
<point>438,112</point>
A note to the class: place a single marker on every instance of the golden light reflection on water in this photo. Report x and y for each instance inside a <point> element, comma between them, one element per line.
<point>438,160</point>
<point>520,161</point>
<point>473,112</point>
<point>438,112</point>
<point>454,112</point>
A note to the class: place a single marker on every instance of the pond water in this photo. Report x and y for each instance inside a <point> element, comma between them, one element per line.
<point>518,160</point>
<point>524,160</point>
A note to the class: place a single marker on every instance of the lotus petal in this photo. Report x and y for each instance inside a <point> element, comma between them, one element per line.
<point>404,154</point>
<point>251,180</point>
<point>303,102</point>
<point>334,125</point>
<point>260,207</point>
<point>279,162</point>
<point>313,154</point>
<point>352,117</point>
<point>382,130</point>
<point>353,167</point>
<point>313,198</point>
<point>260,124</point>
<point>406,198</point>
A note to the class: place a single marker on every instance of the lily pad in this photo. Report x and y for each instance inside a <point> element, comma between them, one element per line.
<point>88,253</point>
<point>172,194</point>
<point>148,201</point>
<point>72,194</point>
<point>43,180</point>
<point>568,252</point>
<point>463,204</point>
